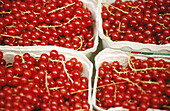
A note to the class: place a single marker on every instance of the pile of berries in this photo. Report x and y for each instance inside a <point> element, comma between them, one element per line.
<point>140,85</point>
<point>141,21</point>
<point>45,83</point>
<point>64,23</point>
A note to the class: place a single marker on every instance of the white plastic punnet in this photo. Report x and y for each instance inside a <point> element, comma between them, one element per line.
<point>110,55</point>
<point>126,45</point>
<point>10,52</point>
<point>91,5</point>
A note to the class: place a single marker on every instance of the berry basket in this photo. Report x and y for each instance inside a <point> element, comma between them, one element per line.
<point>81,36</point>
<point>114,94</point>
<point>84,68</point>
<point>110,39</point>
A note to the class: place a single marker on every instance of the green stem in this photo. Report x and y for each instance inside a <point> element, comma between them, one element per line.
<point>81,43</point>
<point>1,1</point>
<point>135,84</point>
<point>162,25</point>
<point>61,8</point>
<point>46,84</point>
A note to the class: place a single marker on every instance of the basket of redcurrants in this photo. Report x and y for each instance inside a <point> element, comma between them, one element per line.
<point>64,23</point>
<point>44,80</point>
<point>138,25</point>
<point>134,82</point>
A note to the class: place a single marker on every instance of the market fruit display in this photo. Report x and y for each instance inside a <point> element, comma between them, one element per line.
<point>43,83</point>
<point>137,84</point>
<point>142,21</point>
<point>65,23</point>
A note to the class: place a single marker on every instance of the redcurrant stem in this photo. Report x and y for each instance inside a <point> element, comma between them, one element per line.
<point>115,90</point>
<point>21,94</point>
<point>61,8</point>
<point>20,11</point>
<point>5,12</point>
<point>34,13</point>
<point>91,38</point>
<point>23,61</point>
<point>165,14</point>
<point>119,72</point>
<point>162,25</point>
<point>135,7</point>
<point>160,42</point>
<point>63,63</point>
<point>109,11</point>
<point>56,88</point>
<point>30,12</point>
<point>79,91</point>
<point>98,87</point>
<point>39,29</point>
<point>51,26</point>
<point>129,101</point>
<point>110,84</point>
<point>149,82</point>
<point>85,44</point>
<point>168,85</point>
<point>8,66</point>
<point>149,69</point>
<point>99,78</point>
<point>67,72</point>
<point>165,106</point>
<point>131,63</point>
<point>167,37</point>
<point>11,26</point>
<point>1,1</point>
<point>128,80</point>
<point>54,60</point>
<point>133,69</point>
<point>20,77</point>
<point>75,17</point>
<point>46,84</point>
<point>120,30</point>
<point>107,33</point>
<point>81,43</point>
<point>17,37</point>
<point>97,100</point>
<point>82,75</point>
<point>34,40</point>
<point>120,9</point>
<point>37,67</point>
<point>37,58</point>
<point>16,77</point>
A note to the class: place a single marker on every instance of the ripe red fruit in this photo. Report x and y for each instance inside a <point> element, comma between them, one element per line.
<point>45,22</point>
<point>32,79</point>
<point>135,86</point>
<point>136,15</point>
<point>1,55</point>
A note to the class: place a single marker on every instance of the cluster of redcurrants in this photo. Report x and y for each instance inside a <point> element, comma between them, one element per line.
<point>140,85</point>
<point>139,21</point>
<point>64,23</point>
<point>46,83</point>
